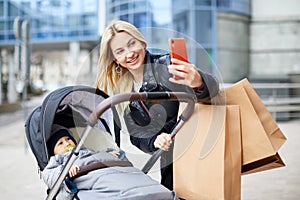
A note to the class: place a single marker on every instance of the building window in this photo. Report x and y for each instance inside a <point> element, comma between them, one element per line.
<point>239,6</point>
<point>204,30</point>
<point>13,11</point>
<point>203,2</point>
<point>140,20</point>
<point>25,8</point>
<point>1,8</point>
<point>89,20</point>
<point>2,26</point>
<point>62,20</point>
<point>181,22</point>
<point>124,17</point>
<point>124,7</point>
<point>223,3</point>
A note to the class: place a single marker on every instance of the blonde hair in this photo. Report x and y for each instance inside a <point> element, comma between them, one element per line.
<point>108,80</point>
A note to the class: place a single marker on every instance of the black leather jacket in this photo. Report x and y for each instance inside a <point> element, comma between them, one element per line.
<point>145,120</point>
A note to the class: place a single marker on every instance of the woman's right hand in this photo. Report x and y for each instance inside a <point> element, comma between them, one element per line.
<point>163,141</point>
<point>187,72</point>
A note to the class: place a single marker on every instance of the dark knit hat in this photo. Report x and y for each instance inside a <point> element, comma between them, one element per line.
<point>58,132</point>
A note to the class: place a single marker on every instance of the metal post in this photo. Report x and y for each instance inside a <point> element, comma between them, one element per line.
<point>26,63</point>
<point>11,87</point>
<point>91,63</point>
<point>75,53</point>
<point>17,32</point>
<point>26,46</point>
<point>0,78</point>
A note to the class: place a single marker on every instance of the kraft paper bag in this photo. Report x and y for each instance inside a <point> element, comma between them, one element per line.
<point>261,136</point>
<point>215,174</point>
<point>270,162</point>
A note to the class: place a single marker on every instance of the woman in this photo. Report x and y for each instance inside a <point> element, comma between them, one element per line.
<point>126,66</point>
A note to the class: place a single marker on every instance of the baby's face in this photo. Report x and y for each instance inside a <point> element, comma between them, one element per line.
<point>62,144</point>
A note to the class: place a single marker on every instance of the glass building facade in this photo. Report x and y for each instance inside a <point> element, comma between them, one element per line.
<point>149,16</point>
<point>196,19</point>
<point>64,21</point>
<point>77,20</point>
<point>137,12</point>
<point>51,20</point>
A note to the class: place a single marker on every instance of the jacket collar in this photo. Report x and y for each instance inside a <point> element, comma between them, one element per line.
<point>149,81</point>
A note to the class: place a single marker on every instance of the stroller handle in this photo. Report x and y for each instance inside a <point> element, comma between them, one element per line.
<point>166,96</point>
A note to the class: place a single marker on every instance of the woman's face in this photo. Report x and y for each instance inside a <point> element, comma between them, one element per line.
<point>128,51</point>
<point>62,143</point>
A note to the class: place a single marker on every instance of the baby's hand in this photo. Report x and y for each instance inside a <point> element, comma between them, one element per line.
<point>73,171</point>
<point>115,153</point>
<point>118,153</point>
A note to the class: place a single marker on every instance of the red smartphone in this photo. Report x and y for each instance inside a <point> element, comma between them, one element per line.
<point>178,50</point>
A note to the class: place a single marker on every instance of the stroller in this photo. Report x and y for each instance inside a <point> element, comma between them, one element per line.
<point>88,109</point>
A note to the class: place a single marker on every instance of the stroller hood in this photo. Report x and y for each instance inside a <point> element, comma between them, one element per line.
<point>69,106</point>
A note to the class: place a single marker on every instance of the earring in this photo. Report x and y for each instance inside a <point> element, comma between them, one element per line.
<point>118,70</point>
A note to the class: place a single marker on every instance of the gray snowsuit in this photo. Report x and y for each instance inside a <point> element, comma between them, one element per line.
<point>113,182</point>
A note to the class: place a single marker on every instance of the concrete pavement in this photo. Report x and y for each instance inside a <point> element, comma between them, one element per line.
<point>19,177</point>
<point>281,183</point>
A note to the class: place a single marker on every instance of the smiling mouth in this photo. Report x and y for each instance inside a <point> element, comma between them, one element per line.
<point>133,60</point>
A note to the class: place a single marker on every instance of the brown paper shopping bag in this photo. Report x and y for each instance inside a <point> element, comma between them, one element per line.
<point>216,174</point>
<point>261,136</point>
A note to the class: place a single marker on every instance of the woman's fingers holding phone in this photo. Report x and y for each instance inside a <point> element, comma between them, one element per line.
<point>175,61</point>
<point>185,73</point>
<point>177,71</point>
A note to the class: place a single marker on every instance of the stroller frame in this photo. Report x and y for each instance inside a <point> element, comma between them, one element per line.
<point>114,100</point>
<point>107,103</point>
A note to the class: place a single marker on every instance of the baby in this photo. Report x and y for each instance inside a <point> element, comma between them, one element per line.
<point>118,180</point>
<point>63,141</point>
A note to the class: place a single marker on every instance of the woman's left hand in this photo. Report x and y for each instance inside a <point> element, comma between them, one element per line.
<point>184,73</point>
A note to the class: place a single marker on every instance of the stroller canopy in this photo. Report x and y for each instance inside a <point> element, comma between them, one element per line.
<point>70,107</point>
